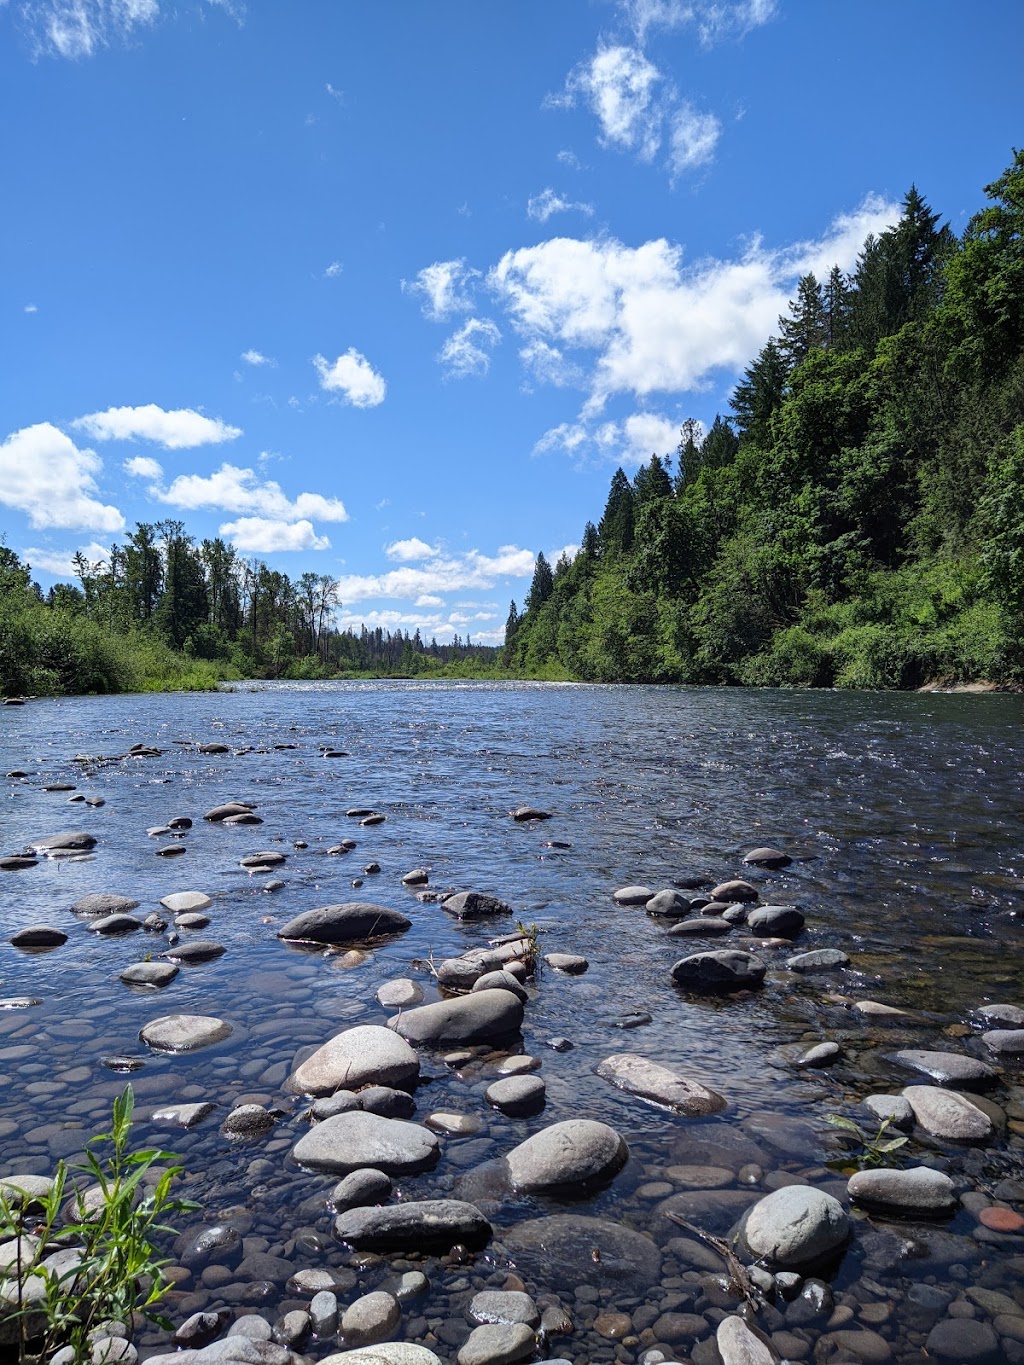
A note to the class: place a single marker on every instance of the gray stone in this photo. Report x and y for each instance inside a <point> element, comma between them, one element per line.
<point>251,1325</point>
<point>497,1305</point>
<point>517,1095</point>
<point>247,1120</point>
<point>417,877</point>
<point>1010,1015</point>
<point>351,922</point>
<point>201,950</point>
<point>497,1344</point>
<point>290,1329</point>
<point>460,973</point>
<point>200,1328</point>
<point>724,970</point>
<point>182,901</point>
<point>474,905</point>
<point>219,813</point>
<point>1005,1041</point>
<point>501,981</point>
<point>485,1014</point>
<point>775,921</point>
<point>570,963</point>
<point>945,1068</point>
<point>323,1313</point>
<point>38,936</point>
<point>370,1319</point>
<point>704,926</point>
<point>821,1055</point>
<point>68,841</point>
<point>399,994</point>
<point>360,1189</point>
<point>364,1055</point>
<point>767,857</point>
<point>818,960</point>
<point>560,1248</point>
<point>962,1340</point>
<point>669,903</point>
<point>390,1353</point>
<point>525,813</point>
<point>414,1225</point>
<point>184,1032</point>
<point>232,1351</point>
<point>341,1102</point>
<point>103,903</point>
<point>182,1115</point>
<point>918,1189</point>
<point>109,925</point>
<point>892,1107</point>
<point>738,1344</point>
<point>796,1226</point>
<point>268,857</point>
<point>382,1099</point>
<point>660,1084</point>
<point>633,895</point>
<point>947,1114</point>
<point>191,919</point>
<point>735,890</point>
<point>573,1154</point>
<point>348,1142</point>
<point>154,974</point>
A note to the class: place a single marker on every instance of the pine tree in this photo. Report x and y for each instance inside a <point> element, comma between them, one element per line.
<point>688,453</point>
<point>542,585</point>
<point>651,482</point>
<point>804,329</point>
<point>759,394</point>
<point>838,306</point>
<point>615,530</point>
<point>720,445</point>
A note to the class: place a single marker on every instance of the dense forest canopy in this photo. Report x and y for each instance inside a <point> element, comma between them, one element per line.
<point>856,519</point>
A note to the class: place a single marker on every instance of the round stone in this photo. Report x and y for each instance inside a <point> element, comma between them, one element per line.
<point>349,1141</point>
<point>517,1095</point>
<point>572,1154</point>
<point>184,1032</point>
<point>796,1226</point>
<point>366,1055</point>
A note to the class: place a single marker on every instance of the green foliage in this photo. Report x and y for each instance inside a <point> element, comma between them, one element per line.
<point>868,1149</point>
<point>111,1221</point>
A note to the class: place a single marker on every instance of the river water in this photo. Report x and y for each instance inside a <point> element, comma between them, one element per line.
<point>903,815</point>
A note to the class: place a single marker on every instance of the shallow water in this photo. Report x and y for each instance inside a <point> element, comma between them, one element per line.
<point>903,815</point>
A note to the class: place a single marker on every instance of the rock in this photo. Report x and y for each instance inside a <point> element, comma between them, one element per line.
<point>734,891</point>
<point>560,1248</point>
<point>202,950</point>
<point>382,1099</point>
<point>705,926</point>
<point>17,862</point>
<point>501,981</point>
<point>399,994</point>
<point>892,1107</point>
<point>233,1351</point>
<point>184,1032</point>
<point>524,813</point>
<point>459,973</point>
<point>574,1154</point>
<point>360,1189</point>
<point>248,818</point>
<point>323,1313</point>
<point>468,1019</point>
<point>570,963</point>
<point>251,1325</point>
<point>215,747</point>
<point>392,1353</point>
<point>962,1340</point>
<point>38,936</point>
<point>152,974</point>
<point>192,919</point>
<point>823,1054</point>
<point>474,905</point>
<point>352,922</point>
<point>633,895</point>
<point>497,1344</point>
<point>293,1327</point>
<point>739,1344</point>
<point>509,1306</point>
<point>945,1068</point>
<point>219,1244</point>
<point>796,1226</point>
<point>724,970</point>
<point>918,1190</point>
<point>341,1102</point>
<point>517,1095</point>
<point>228,808</point>
<point>247,1120</point>
<point>103,903</point>
<point>455,1125</point>
<point>270,857</point>
<point>182,1115</point>
<point>818,960</point>
<point>669,903</point>
<point>109,925</point>
<point>947,1114</point>
<point>367,1054</point>
<point>414,1225</point>
<point>417,877</point>
<point>767,857</point>
<point>1004,1041</point>
<point>172,851</point>
<point>660,1084</point>
<point>200,1328</point>
<point>370,1319</point>
<point>775,921</point>
<point>69,841</point>
<point>347,1142</point>
<point>1011,1015</point>
<point>181,902</point>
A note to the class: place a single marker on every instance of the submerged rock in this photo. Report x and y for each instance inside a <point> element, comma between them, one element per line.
<point>562,1247</point>
<point>413,1225</point>
<point>350,1141</point>
<point>660,1084</point>
<point>946,1068</point>
<point>483,1014</point>
<point>918,1190</point>
<point>184,1032</point>
<point>351,922</point>
<point>947,1114</point>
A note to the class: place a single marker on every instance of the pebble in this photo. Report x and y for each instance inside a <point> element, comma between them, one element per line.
<point>517,1095</point>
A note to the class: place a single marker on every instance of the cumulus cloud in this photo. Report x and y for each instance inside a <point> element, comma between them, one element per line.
<point>46,476</point>
<point>59,562</point>
<point>179,429</point>
<point>428,599</point>
<point>444,573</point>
<point>262,535</point>
<point>353,377</point>
<point>542,206</point>
<point>232,489</point>
<point>411,550</point>
<point>547,364</point>
<point>468,350</point>
<point>257,358</point>
<point>630,442</point>
<point>142,467</point>
<point>444,288</point>
<point>483,627</point>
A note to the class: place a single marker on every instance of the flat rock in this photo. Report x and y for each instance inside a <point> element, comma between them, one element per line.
<point>570,963</point>
<point>110,925</point>
<point>947,1114</point>
<point>474,905</point>
<point>366,1055</point>
<point>917,1190</point>
<point>390,1353</point>
<point>370,1319</point>
<point>704,926</point>
<point>103,903</point>
<point>735,890</point>
<point>222,812</point>
<point>775,921</point>
<point>468,1019</point>
<point>184,1032</point>
<point>1004,1041</point>
<point>767,857</point>
<point>360,1189</point>
<point>517,1095</point>
<point>720,971</point>
<point>182,1115</point>
<point>660,1084</point>
<point>350,1141</point>
<point>962,1341</point>
<point>560,1248</point>
<point>633,895</point>
<point>413,1225</point>
<point>524,813</point>
<point>237,1350</point>
<point>796,1226</point>
<point>202,950</point>
<point>1010,1015</point>
<point>153,974</point>
<point>497,1305</point>
<point>351,922</point>
<point>248,817</point>
<point>818,960</point>
<point>892,1107</point>
<point>573,1154</point>
<point>738,1344</point>
<point>497,1344</point>
<point>69,841</point>
<point>182,902</point>
<point>268,857</point>
<point>945,1068</point>
<point>17,862</point>
<point>38,936</point>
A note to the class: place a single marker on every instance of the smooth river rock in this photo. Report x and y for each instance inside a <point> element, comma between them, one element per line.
<point>738,1344</point>
<point>633,895</point>
<point>796,1226</point>
<point>103,903</point>
<point>1004,1041</point>
<point>660,1084</point>
<point>918,1190</point>
<point>945,1068</point>
<point>38,936</point>
<point>390,1353</point>
<point>467,1019</point>
<point>947,1114</point>
<point>775,921</point>
<point>720,971</point>
<point>517,1095</point>
<point>180,902</point>
<point>818,960</point>
<point>152,974</point>
<point>573,1154</point>
<point>400,994</point>
<point>370,1319</point>
<point>474,905</point>
<point>184,1032</point>
<point>350,1141</point>
<point>417,1223</point>
<point>365,1055</point>
<point>499,1343</point>
<point>68,841</point>
<point>109,925</point>
<point>351,922</point>
<point>561,1248</point>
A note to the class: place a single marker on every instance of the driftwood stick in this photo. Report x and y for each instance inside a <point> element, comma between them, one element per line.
<point>738,1277</point>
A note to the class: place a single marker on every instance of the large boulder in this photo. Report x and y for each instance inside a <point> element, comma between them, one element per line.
<point>68,841</point>
<point>574,1154</point>
<point>366,1055</point>
<point>919,1190</point>
<point>946,1068</point>
<point>466,1019</point>
<point>948,1115</point>
<point>352,922</point>
<point>411,1226</point>
<point>348,1142</point>
<point>775,921</point>
<point>796,1226</point>
<point>101,903</point>
<point>660,1084</point>
<point>719,972</point>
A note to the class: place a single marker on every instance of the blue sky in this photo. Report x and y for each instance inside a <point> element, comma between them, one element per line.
<point>387,290</point>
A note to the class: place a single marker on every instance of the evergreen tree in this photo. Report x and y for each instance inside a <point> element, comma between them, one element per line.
<point>804,328</point>
<point>542,585</point>
<point>838,305</point>
<point>615,529</point>
<point>719,447</point>
<point>651,482</point>
<point>758,396</point>
<point>688,453</point>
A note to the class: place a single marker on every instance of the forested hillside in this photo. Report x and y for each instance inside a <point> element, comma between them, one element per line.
<point>856,519</point>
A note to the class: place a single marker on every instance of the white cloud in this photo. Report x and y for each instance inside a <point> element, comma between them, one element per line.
<point>354,377</point>
<point>334,269</point>
<point>646,322</point>
<point>714,19</point>
<point>484,629</point>
<point>334,92</point>
<point>444,288</point>
<point>547,364</point>
<point>180,429</point>
<point>467,351</point>
<point>59,562</point>
<point>231,489</point>
<point>542,206</point>
<point>257,358</point>
<point>262,535</point>
<point>142,467</point>
<point>410,551</point>
<point>31,308</point>
<point>455,573</point>
<point>619,85</point>
<point>630,442</point>
<point>79,28</point>
<point>428,599</point>
<point>693,138</point>
<point>45,475</point>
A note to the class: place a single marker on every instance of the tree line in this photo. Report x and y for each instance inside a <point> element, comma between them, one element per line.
<point>855,519</point>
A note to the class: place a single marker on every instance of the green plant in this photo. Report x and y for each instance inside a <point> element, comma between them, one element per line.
<point>85,1254</point>
<point>531,936</point>
<point>874,1149</point>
